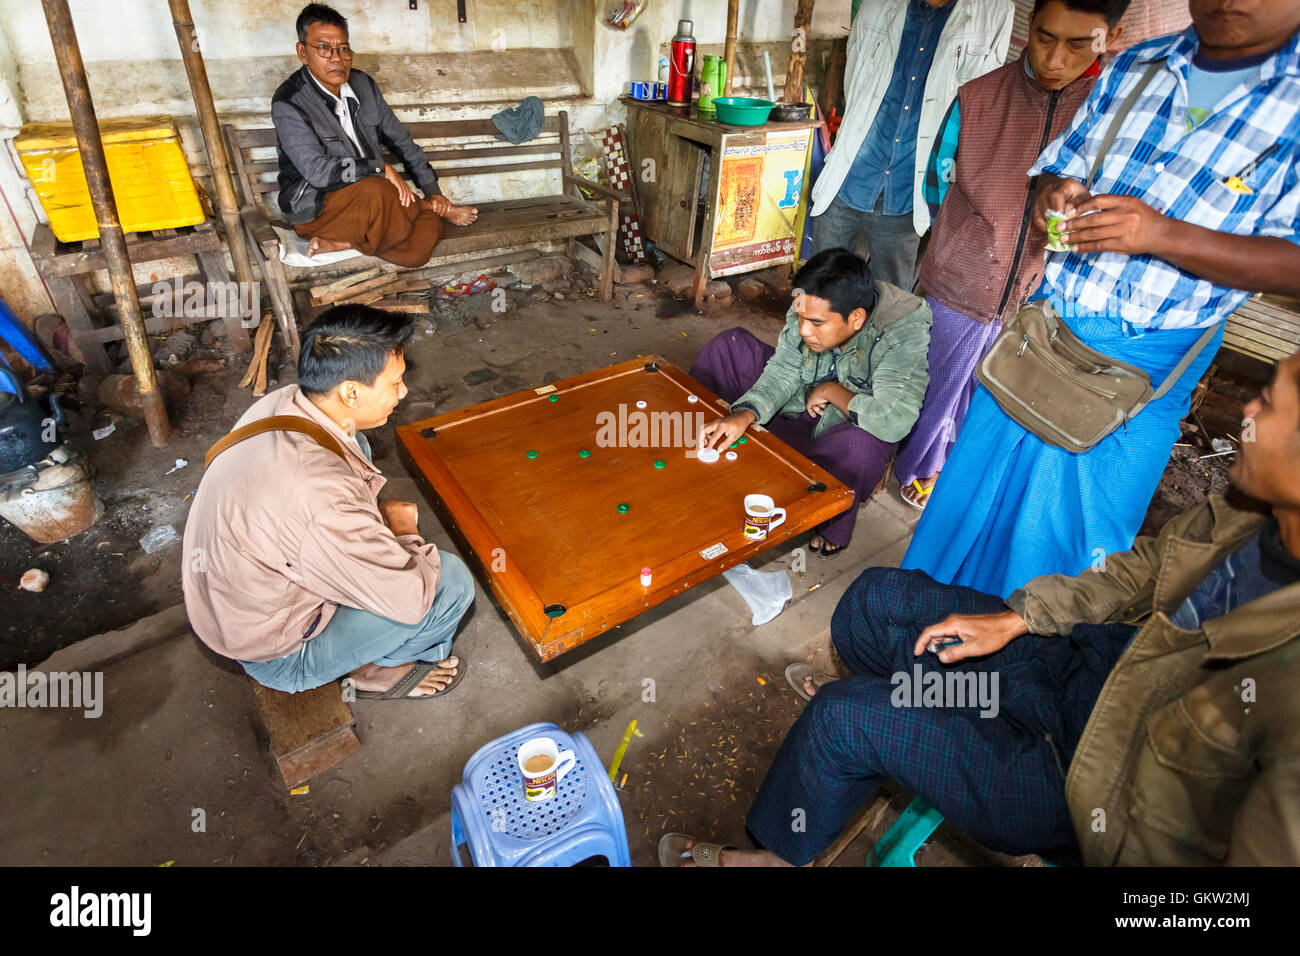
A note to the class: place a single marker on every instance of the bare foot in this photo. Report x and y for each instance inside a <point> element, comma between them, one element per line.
<point>374,677</point>
<point>318,245</point>
<point>461,215</point>
<point>734,857</point>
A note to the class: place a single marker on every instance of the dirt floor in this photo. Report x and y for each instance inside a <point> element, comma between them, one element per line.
<point>180,730</point>
<point>103,579</point>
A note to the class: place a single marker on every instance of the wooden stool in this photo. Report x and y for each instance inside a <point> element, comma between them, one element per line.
<point>66,266</point>
<point>310,732</point>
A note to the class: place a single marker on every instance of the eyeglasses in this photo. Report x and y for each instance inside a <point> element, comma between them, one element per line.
<point>327,52</point>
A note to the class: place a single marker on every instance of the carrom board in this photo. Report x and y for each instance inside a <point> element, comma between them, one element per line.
<point>560,537</point>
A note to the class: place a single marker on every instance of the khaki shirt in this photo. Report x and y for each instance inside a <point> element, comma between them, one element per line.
<point>281,530</point>
<point>1192,753</point>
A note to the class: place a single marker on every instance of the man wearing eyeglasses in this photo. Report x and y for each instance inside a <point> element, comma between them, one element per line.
<point>331,123</point>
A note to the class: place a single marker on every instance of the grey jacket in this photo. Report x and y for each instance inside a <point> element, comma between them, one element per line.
<point>317,157</point>
<point>885,365</point>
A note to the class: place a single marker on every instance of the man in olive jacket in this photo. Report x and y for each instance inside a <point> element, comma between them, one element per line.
<point>843,386</point>
<point>1165,678</point>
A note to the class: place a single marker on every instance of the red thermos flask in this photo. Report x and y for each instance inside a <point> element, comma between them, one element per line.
<point>682,65</point>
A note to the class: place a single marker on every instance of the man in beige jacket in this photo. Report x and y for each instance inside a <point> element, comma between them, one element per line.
<point>293,567</point>
<point>1165,678</point>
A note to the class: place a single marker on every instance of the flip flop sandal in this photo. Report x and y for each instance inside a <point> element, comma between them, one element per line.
<point>795,674</point>
<point>672,851</point>
<point>401,690</point>
<point>921,493</point>
<point>829,550</point>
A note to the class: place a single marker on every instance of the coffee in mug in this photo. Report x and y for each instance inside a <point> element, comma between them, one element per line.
<point>761,516</point>
<point>543,765</point>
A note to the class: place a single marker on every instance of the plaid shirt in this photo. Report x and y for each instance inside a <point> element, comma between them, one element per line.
<point>1182,174</point>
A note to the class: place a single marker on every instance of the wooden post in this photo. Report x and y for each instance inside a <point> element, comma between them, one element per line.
<point>798,52</point>
<point>729,51</point>
<point>227,204</point>
<point>73,72</point>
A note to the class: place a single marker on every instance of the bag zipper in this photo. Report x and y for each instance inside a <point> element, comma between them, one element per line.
<point>1029,207</point>
<point>1050,358</point>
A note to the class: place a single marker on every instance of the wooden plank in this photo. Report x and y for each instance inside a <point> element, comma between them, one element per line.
<point>149,250</point>
<point>42,244</point>
<point>369,285</point>
<point>415,308</point>
<point>338,285</point>
<point>374,295</point>
<point>68,302</point>
<point>529,149</point>
<point>453,171</point>
<point>453,129</point>
<point>308,732</point>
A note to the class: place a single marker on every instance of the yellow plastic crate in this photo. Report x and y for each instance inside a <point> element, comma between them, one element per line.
<point>151,180</point>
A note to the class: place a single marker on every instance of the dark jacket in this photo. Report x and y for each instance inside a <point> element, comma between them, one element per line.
<point>884,364</point>
<point>1191,756</point>
<point>317,157</point>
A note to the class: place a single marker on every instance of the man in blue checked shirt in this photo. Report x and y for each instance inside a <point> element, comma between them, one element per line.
<point>1196,206</point>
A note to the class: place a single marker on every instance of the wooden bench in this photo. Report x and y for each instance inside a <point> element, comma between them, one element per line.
<point>66,267</point>
<point>309,732</point>
<point>1265,330</point>
<point>455,148</point>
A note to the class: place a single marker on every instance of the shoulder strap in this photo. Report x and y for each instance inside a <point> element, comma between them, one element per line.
<point>1118,119</point>
<point>1181,367</point>
<point>282,423</point>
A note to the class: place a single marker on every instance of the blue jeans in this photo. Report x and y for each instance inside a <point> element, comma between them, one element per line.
<point>354,637</point>
<point>891,240</point>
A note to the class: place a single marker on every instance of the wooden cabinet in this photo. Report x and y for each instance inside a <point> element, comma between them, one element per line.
<point>755,188</point>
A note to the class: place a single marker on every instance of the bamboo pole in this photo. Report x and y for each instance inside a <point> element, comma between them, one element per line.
<point>798,52</point>
<point>218,159</point>
<point>73,72</point>
<point>729,51</point>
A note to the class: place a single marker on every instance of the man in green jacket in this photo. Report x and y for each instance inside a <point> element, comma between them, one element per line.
<point>1165,678</point>
<point>843,386</point>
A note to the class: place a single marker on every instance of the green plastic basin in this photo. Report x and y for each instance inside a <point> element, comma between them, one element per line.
<point>742,110</point>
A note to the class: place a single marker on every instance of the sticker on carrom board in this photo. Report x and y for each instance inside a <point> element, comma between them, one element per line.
<point>713,551</point>
<point>545,389</point>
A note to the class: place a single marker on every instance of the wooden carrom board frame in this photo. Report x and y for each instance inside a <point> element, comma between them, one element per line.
<point>549,541</point>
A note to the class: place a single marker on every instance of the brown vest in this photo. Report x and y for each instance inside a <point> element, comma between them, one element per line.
<point>984,255</point>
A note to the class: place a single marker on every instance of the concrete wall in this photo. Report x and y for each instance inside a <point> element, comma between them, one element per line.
<point>429,66</point>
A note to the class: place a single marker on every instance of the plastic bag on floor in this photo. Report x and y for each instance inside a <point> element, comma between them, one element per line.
<point>766,592</point>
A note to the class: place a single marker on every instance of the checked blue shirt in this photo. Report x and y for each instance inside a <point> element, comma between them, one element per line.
<point>1252,133</point>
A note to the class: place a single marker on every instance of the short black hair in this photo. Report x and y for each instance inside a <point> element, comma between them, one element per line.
<point>1111,10</point>
<point>840,277</point>
<point>350,343</point>
<point>319,13</point>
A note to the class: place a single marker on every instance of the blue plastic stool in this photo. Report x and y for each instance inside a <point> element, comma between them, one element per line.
<point>912,828</point>
<point>490,816</point>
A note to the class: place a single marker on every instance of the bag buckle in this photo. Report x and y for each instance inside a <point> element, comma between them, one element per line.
<point>1024,344</point>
